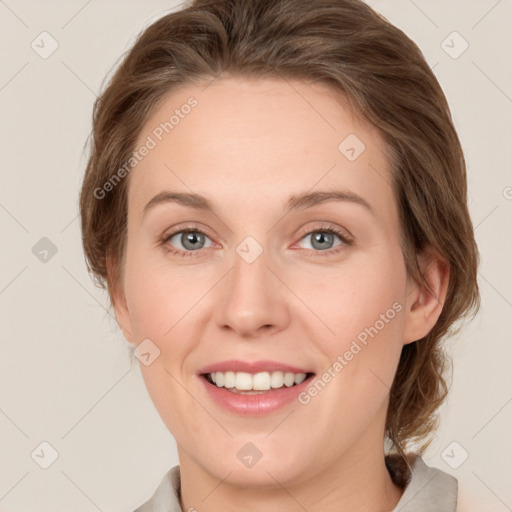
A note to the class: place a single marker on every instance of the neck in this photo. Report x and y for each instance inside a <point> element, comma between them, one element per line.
<point>360,482</point>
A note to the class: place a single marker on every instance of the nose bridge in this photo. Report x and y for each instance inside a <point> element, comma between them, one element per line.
<point>252,300</point>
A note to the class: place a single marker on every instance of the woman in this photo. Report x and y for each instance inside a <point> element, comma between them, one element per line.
<point>276,202</point>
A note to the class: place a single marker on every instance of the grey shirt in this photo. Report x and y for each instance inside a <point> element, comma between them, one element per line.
<point>428,490</point>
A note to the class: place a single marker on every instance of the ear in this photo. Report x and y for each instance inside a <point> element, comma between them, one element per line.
<point>118,299</point>
<point>424,304</point>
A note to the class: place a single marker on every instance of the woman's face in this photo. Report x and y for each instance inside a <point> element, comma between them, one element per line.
<point>292,265</point>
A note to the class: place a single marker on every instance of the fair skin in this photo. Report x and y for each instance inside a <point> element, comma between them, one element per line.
<point>247,147</point>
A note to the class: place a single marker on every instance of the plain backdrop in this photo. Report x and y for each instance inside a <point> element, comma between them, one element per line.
<point>65,372</point>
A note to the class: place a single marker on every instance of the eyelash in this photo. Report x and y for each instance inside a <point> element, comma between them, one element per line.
<point>346,241</point>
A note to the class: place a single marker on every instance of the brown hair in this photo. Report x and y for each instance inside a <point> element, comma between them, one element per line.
<point>385,78</point>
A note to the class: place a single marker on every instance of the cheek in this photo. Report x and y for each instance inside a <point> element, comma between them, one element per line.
<point>159,295</point>
<point>174,402</point>
<point>366,310</point>
<point>354,296</point>
<point>363,306</point>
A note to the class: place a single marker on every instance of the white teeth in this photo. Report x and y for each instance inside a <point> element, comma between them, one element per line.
<point>277,380</point>
<point>289,379</point>
<point>229,379</point>
<point>300,377</point>
<point>243,381</point>
<point>262,381</point>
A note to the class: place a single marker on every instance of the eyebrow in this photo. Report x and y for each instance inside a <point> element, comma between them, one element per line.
<point>296,202</point>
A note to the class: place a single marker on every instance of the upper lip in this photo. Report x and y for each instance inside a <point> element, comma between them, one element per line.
<point>235,365</point>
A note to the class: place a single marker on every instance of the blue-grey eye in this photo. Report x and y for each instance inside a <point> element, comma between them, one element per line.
<point>321,240</point>
<point>190,240</point>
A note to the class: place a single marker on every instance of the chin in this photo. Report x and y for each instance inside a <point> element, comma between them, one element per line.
<point>257,463</point>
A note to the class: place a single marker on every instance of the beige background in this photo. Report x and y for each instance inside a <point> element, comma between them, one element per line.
<point>65,373</point>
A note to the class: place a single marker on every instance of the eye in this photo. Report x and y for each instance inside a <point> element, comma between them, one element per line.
<point>191,240</point>
<point>186,242</point>
<point>322,239</point>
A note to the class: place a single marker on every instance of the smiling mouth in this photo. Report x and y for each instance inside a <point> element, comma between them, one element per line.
<point>255,383</point>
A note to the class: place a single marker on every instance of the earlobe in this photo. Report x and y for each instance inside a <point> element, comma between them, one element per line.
<point>425,303</point>
<point>123,317</point>
<point>119,303</point>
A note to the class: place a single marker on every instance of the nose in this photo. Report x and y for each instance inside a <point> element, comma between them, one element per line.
<point>252,300</point>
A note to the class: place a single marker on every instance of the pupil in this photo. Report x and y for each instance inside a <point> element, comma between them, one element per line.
<point>322,238</point>
<point>191,239</point>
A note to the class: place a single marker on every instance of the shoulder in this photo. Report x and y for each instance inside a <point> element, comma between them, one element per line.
<point>428,489</point>
<point>166,497</point>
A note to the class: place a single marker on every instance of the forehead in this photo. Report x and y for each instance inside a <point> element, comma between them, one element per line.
<point>264,139</point>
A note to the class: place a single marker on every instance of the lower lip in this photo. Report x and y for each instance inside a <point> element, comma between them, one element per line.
<point>257,404</point>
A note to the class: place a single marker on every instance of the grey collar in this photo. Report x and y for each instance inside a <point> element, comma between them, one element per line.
<point>429,490</point>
